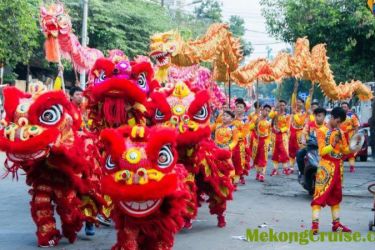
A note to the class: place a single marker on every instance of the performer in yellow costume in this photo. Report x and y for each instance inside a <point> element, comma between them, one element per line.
<point>226,136</point>
<point>297,123</point>
<point>280,129</point>
<point>241,154</point>
<point>261,140</point>
<point>328,187</point>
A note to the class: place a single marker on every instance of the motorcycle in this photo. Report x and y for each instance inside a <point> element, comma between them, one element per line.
<point>308,165</point>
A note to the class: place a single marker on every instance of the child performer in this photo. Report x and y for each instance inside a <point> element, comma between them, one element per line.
<point>241,159</point>
<point>262,128</point>
<point>226,136</point>
<point>280,129</point>
<point>328,186</point>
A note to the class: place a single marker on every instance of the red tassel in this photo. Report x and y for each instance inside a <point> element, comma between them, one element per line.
<point>51,47</point>
<point>13,169</point>
<point>114,110</point>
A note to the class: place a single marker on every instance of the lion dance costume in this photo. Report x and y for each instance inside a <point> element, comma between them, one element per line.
<point>41,137</point>
<point>146,185</point>
<point>117,91</point>
<point>209,167</point>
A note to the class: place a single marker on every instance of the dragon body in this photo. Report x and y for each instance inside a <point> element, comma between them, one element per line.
<point>61,41</point>
<point>305,64</point>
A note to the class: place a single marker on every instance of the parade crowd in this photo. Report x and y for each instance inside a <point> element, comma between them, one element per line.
<point>272,131</point>
<point>137,147</point>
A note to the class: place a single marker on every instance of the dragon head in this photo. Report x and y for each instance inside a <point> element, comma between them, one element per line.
<point>140,168</point>
<point>163,46</point>
<point>184,109</point>
<point>54,20</point>
<point>119,84</point>
<point>36,123</point>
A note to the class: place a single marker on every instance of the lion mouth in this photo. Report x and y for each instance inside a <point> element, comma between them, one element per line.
<point>140,209</point>
<point>161,58</point>
<point>27,157</point>
<point>52,27</point>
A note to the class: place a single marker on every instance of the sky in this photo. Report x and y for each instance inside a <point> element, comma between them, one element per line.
<point>255,24</point>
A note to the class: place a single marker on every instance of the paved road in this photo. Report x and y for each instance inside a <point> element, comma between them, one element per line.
<point>279,203</point>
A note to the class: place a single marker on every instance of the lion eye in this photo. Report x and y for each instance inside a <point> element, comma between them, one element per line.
<point>109,164</point>
<point>159,115</point>
<point>202,114</point>
<point>101,78</point>
<point>52,115</point>
<point>165,158</point>
<point>142,81</point>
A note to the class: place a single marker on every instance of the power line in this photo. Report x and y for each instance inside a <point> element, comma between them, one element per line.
<point>257,31</point>
<point>266,43</point>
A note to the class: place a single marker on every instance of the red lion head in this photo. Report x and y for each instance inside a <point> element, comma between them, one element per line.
<point>120,87</point>
<point>141,170</point>
<point>185,110</point>
<point>36,122</point>
<point>54,20</point>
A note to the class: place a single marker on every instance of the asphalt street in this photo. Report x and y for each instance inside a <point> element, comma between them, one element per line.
<point>279,204</point>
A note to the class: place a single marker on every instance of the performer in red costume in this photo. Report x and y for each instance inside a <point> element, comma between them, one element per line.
<point>146,185</point>
<point>349,127</point>
<point>76,96</point>
<point>280,127</point>
<point>262,128</point>
<point>328,186</point>
<point>241,153</point>
<point>41,136</point>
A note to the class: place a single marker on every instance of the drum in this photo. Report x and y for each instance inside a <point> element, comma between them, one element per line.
<point>356,142</point>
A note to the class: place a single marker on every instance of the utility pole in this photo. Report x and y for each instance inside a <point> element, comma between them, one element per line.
<point>84,38</point>
<point>269,50</point>
<point>1,73</point>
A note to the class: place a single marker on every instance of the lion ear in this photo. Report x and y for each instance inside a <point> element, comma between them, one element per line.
<point>43,11</point>
<point>12,97</point>
<point>113,142</point>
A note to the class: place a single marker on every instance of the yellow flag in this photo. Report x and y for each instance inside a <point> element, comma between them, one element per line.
<point>57,85</point>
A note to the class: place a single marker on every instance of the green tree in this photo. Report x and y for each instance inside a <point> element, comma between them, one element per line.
<point>121,24</point>
<point>346,26</point>
<point>209,10</point>
<point>237,25</point>
<point>18,31</point>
